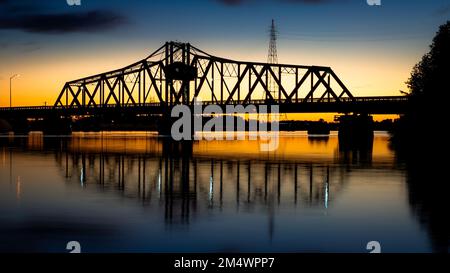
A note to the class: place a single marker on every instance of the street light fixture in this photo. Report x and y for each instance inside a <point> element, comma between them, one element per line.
<point>10,88</point>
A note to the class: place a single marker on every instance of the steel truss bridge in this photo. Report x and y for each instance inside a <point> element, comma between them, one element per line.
<point>176,73</point>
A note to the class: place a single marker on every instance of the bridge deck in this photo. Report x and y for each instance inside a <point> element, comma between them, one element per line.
<point>370,105</point>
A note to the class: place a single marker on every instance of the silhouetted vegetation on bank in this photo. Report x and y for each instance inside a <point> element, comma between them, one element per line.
<point>420,139</point>
<point>429,92</point>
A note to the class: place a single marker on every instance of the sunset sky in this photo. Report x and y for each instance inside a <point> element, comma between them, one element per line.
<point>372,49</point>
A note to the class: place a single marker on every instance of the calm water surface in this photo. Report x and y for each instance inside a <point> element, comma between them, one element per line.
<point>135,192</point>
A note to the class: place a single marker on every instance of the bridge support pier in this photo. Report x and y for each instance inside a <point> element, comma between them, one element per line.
<point>355,131</point>
<point>57,126</point>
<point>164,125</point>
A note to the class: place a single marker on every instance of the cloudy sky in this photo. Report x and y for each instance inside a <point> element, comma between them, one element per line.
<point>372,49</point>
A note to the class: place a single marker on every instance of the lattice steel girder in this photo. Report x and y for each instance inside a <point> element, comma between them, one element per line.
<point>218,79</point>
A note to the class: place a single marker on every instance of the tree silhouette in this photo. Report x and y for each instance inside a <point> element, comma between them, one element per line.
<point>429,81</point>
<point>429,90</point>
<point>420,139</point>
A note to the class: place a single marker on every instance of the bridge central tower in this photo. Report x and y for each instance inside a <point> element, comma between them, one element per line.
<point>179,71</point>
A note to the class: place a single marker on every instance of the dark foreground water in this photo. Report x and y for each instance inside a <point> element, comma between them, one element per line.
<point>134,192</point>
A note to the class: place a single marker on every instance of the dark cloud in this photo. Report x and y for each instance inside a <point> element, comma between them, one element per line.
<point>90,21</point>
<point>232,2</point>
<point>44,17</point>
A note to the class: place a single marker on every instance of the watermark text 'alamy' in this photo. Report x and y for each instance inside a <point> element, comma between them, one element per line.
<point>222,126</point>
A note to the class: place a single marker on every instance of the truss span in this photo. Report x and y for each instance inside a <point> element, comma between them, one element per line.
<point>178,72</point>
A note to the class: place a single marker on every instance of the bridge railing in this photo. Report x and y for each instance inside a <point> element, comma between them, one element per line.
<point>24,108</point>
<point>4,109</point>
<point>386,99</point>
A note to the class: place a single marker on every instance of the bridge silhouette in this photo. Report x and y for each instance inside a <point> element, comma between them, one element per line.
<point>177,73</point>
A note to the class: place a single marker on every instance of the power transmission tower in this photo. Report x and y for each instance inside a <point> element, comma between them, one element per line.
<point>272,58</point>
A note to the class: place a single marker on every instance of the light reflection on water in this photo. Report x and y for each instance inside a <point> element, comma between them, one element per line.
<point>128,192</point>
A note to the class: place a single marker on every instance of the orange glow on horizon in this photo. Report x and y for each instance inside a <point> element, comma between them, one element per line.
<point>292,146</point>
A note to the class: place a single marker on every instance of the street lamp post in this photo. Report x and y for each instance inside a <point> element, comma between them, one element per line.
<point>10,88</point>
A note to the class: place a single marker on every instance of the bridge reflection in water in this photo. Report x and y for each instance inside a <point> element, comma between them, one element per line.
<point>140,192</point>
<point>186,178</point>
